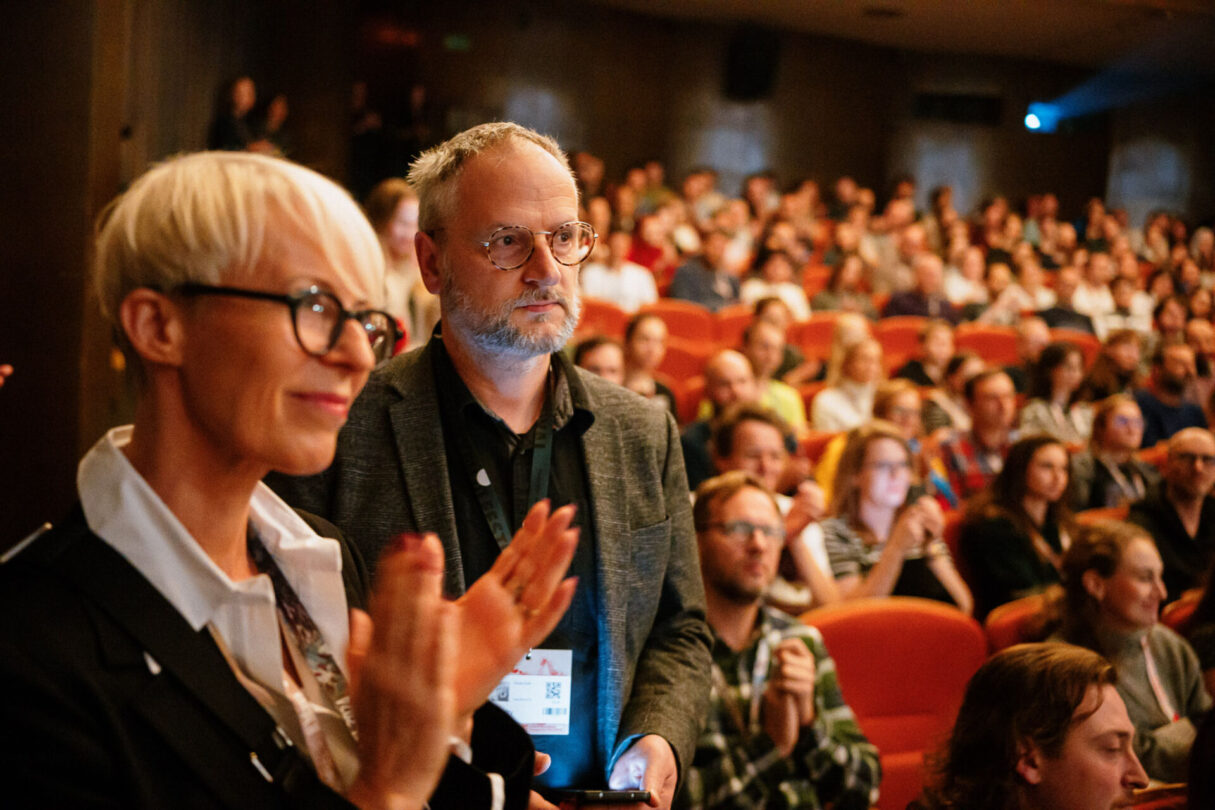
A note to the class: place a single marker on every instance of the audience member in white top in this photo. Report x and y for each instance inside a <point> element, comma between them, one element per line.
<point>847,401</point>
<point>776,279</point>
<point>610,277</point>
<point>1093,296</point>
<point>1129,311</point>
<point>964,284</point>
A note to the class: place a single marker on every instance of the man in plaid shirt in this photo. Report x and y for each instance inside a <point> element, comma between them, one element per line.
<point>778,734</point>
<point>973,459</point>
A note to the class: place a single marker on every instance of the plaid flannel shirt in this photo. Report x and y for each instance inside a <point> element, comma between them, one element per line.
<point>831,765</point>
<point>970,469</point>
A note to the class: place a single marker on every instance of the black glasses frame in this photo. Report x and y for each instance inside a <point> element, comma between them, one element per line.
<point>381,347</point>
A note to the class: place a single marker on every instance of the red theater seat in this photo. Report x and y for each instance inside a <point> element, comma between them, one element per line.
<point>903,666</point>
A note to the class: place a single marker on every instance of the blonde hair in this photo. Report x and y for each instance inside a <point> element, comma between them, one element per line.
<point>835,372</point>
<point>434,173</point>
<point>850,328</point>
<point>208,217</point>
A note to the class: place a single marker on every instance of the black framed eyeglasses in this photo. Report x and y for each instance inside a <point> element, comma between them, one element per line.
<point>740,531</point>
<point>511,246</point>
<point>317,317</point>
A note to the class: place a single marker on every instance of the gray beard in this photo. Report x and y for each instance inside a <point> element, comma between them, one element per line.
<point>493,333</point>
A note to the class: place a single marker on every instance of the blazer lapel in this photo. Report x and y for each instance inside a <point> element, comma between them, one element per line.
<point>195,664</point>
<point>610,511</point>
<point>418,432</point>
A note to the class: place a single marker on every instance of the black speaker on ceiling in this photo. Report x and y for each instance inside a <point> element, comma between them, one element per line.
<point>752,56</point>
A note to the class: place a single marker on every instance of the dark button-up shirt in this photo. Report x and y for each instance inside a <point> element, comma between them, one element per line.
<point>508,460</point>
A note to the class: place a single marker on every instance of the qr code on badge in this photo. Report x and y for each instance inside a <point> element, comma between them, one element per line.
<point>502,694</point>
<point>552,690</point>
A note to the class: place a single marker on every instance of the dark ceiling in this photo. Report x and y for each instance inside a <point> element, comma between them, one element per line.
<point>1171,36</point>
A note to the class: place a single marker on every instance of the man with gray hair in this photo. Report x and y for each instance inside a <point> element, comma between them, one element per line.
<point>462,436</point>
<point>1179,512</point>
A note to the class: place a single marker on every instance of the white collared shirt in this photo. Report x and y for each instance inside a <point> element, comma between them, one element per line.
<point>123,510</point>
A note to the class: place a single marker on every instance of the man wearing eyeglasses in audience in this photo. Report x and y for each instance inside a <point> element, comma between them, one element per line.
<point>778,732</point>
<point>1179,512</point>
<point>461,436</point>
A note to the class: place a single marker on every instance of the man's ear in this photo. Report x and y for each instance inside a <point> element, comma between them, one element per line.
<point>1094,583</point>
<point>428,261</point>
<point>1029,764</point>
<point>153,326</point>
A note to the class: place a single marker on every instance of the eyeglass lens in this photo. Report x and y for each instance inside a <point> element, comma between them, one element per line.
<point>319,321</point>
<point>512,246</point>
<point>741,530</point>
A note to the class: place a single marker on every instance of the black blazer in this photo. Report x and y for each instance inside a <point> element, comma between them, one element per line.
<point>110,699</point>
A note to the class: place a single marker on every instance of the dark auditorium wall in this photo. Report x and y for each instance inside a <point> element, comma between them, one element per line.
<point>96,92</point>
<point>628,86</point>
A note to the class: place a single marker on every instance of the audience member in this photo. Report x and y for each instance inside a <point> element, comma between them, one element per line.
<point>764,347</point>
<point>1093,297</point>
<point>776,278</point>
<point>645,346</point>
<point>1125,314</point>
<point>927,369</point>
<point>1168,320</point>
<point>230,129</point>
<point>1165,410</point>
<point>897,402</point>
<point>1179,511</point>
<point>1016,530</point>
<point>492,400</point>
<point>798,744</point>
<point>1063,315</point>
<point>1109,473</point>
<point>1041,727</point>
<point>728,379</point>
<point>963,285</point>
<point>609,276</point>
<point>704,279</point>
<point>6,371</point>
<point>926,298</point>
<point>193,641</point>
<point>1033,335</point>
<point>392,208</point>
<point>1116,367</point>
<point>794,368</point>
<point>850,328</point>
<point>844,291</point>
<point>945,405</point>
<point>1113,587</point>
<point>1053,407</point>
<point>269,126</point>
<point>753,439</point>
<point>847,401</point>
<point>879,541</point>
<point>1200,336</point>
<point>652,247</point>
<point>602,356</point>
<point>972,458</point>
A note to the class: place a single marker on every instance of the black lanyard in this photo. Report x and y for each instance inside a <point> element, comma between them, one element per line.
<point>477,466</point>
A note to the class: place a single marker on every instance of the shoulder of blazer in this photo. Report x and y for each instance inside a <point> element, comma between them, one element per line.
<point>72,556</point>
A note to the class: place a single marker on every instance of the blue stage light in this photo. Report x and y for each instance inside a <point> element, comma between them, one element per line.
<point>1042,117</point>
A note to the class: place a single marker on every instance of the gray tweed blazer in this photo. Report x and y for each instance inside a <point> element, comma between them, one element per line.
<point>390,476</point>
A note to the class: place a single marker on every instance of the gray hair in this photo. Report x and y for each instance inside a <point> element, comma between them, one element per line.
<point>434,173</point>
<point>207,217</point>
